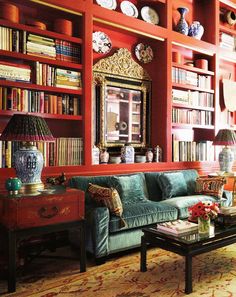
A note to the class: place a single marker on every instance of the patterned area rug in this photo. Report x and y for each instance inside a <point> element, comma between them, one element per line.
<point>214,275</point>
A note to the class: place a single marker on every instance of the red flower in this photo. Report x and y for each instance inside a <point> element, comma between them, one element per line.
<point>205,210</point>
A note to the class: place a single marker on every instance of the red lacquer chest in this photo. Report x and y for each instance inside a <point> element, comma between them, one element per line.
<point>41,210</point>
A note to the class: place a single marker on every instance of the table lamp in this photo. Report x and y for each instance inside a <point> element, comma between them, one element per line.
<point>28,160</point>
<point>227,138</point>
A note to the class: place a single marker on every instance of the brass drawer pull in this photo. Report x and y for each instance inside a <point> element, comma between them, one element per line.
<point>46,213</point>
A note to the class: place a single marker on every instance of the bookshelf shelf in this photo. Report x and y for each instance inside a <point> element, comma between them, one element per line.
<point>189,87</point>
<point>9,113</point>
<point>64,64</point>
<point>192,107</point>
<point>191,126</point>
<point>227,30</point>
<point>22,85</point>
<point>193,69</point>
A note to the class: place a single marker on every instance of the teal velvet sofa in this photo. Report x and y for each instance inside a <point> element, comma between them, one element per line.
<point>148,198</point>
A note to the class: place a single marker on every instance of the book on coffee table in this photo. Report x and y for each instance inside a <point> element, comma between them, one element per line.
<point>178,227</point>
<point>228,210</point>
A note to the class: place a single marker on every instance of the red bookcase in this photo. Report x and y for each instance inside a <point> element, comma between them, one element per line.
<point>86,17</point>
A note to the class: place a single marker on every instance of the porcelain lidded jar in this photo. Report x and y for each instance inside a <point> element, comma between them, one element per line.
<point>182,25</point>
<point>104,156</point>
<point>127,153</point>
<point>149,155</point>
<point>196,30</point>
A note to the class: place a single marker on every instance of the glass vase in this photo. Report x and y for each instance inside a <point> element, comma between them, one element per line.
<point>204,226</point>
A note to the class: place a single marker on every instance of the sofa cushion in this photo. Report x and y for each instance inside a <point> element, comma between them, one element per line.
<point>172,184</point>
<point>132,188</point>
<point>154,190</point>
<point>212,186</point>
<point>182,203</point>
<point>143,214</point>
<point>108,197</point>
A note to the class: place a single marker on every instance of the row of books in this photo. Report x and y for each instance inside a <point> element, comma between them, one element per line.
<point>227,41</point>
<point>186,77</point>
<point>67,51</point>
<point>191,151</point>
<point>191,116</point>
<point>20,41</point>
<point>193,98</point>
<point>17,99</point>
<point>9,39</point>
<point>15,72</point>
<point>62,152</point>
<point>47,75</point>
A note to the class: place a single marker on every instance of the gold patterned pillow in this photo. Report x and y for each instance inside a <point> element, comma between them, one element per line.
<point>212,186</point>
<point>108,197</point>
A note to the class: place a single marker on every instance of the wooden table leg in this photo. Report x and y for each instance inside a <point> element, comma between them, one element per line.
<point>11,278</point>
<point>82,248</point>
<point>188,274</point>
<point>143,260</point>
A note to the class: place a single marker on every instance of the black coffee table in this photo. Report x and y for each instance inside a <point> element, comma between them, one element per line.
<point>187,245</point>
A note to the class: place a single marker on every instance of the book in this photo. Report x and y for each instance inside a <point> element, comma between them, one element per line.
<point>178,227</point>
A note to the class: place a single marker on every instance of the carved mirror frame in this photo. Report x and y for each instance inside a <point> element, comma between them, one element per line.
<point>121,80</point>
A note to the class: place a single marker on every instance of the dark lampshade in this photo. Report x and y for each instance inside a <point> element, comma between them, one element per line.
<point>225,137</point>
<point>24,127</point>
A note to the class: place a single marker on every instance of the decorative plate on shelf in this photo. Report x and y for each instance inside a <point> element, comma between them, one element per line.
<point>144,53</point>
<point>149,15</point>
<point>129,9</point>
<point>109,4</point>
<point>101,42</point>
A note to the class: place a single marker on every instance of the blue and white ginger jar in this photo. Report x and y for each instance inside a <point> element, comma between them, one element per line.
<point>196,30</point>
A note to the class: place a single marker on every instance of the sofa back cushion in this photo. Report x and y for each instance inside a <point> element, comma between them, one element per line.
<point>154,190</point>
<point>172,184</point>
<point>132,188</point>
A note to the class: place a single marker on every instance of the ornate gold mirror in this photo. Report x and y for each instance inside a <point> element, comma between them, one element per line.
<point>122,92</point>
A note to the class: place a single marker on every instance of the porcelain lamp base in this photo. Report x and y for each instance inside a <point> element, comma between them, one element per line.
<point>226,159</point>
<point>29,165</point>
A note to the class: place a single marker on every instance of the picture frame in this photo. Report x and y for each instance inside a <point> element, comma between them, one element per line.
<point>121,103</point>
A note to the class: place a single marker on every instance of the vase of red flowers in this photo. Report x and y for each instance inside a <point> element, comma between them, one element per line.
<point>203,212</point>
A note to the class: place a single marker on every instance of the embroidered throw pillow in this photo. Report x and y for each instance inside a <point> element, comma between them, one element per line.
<point>108,197</point>
<point>212,186</point>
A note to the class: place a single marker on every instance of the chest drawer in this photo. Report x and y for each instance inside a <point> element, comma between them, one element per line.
<point>41,210</point>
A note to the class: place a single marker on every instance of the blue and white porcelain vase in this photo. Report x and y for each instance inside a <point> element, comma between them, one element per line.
<point>226,159</point>
<point>196,30</point>
<point>127,153</point>
<point>182,25</point>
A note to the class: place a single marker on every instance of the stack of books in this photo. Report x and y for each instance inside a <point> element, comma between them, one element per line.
<point>178,227</point>
<point>41,46</point>
<point>14,71</point>
<point>227,41</point>
<point>67,79</point>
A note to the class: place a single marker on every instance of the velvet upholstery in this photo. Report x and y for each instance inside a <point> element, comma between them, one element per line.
<point>142,214</point>
<point>132,188</point>
<point>172,184</point>
<point>105,236</point>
